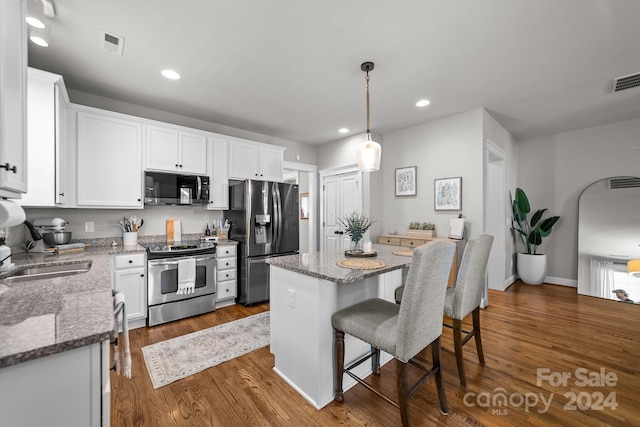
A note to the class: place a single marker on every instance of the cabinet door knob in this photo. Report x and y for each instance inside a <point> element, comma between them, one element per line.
<point>130,261</point>
<point>176,165</point>
<point>61,194</point>
<point>142,275</point>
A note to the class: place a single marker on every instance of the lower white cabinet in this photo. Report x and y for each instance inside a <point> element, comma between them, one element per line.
<point>129,276</point>
<point>70,389</point>
<point>226,291</point>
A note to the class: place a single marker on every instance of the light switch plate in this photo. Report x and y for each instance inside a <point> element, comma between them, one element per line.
<point>88,227</point>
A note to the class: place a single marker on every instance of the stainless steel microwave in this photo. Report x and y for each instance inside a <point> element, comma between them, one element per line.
<point>174,189</point>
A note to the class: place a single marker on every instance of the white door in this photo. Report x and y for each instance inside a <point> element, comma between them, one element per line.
<point>342,195</point>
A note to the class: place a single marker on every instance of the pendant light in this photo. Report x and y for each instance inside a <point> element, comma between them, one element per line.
<point>368,150</point>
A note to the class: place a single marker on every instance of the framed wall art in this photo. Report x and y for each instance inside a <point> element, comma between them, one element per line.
<point>406,182</point>
<point>448,194</point>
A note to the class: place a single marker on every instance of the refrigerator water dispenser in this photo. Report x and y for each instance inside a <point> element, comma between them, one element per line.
<point>262,221</point>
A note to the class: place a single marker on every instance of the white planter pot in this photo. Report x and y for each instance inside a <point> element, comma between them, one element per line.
<point>532,269</point>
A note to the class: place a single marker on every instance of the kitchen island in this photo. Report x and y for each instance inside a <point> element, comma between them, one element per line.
<point>306,289</point>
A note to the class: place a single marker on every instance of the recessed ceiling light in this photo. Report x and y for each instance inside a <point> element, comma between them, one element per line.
<point>423,103</point>
<point>343,130</point>
<point>34,22</point>
<point>170,74</point>
<point>39,41</point>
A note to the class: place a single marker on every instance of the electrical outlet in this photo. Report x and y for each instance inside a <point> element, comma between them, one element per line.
<point>292,298</point>
<point>88,227</point>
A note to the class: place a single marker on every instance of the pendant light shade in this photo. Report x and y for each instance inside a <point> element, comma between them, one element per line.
<point>369,154</point>
<point>369,151</point>
<point>633,267</point>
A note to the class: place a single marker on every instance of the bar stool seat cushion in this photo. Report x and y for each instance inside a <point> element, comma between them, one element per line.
<point>374,321</point>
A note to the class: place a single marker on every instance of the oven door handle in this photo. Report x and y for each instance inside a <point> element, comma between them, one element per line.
<point>166,262</point>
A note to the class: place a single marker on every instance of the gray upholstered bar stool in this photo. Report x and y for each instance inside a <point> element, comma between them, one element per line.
<point>465,298</point>
<point>401,330</point>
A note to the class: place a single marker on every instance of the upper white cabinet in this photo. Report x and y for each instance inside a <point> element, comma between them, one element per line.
<point>255,161</point>
<point>47,105</point>
<point>13,97</point>
<point>109,160</point>
<point>172,149</point>
<point>218,174</point>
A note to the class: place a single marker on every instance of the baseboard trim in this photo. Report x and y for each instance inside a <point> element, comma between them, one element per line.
<point>549,279</point>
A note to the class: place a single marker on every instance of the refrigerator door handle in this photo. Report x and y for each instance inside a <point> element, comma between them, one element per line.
<point>279,217</point>
<point>275,223</point>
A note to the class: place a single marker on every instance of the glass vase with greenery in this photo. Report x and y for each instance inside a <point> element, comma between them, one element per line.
<point>355,225</point>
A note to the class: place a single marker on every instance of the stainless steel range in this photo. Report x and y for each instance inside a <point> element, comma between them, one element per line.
<point>170,266</point>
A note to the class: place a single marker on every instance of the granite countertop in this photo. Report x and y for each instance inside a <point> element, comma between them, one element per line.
<point>47,316</point>
<point>324,265</point>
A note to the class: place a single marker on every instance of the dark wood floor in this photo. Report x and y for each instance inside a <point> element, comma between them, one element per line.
<point>524,329</point>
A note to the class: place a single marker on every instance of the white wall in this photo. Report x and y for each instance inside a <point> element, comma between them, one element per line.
<point>449,147</point>
<point>554,170</point>
<point>194,219</point>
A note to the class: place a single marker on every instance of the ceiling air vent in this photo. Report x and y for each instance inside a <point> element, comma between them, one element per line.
<point>626,82</point>
<point>624,182</point>
<point>111,43</point>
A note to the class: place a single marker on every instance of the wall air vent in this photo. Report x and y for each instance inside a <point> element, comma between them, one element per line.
<point>624,182</point>
<point>111,43</point>
<point>626,82</point>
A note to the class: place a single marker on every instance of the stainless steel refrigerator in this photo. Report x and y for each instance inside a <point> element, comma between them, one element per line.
<point>264,218</point>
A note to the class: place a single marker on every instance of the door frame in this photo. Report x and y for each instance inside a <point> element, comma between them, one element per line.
<point>331,172</point>
<point>495,218</point>
<point>312,170</point>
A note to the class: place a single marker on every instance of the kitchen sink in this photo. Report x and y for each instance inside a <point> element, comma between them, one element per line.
<point>46,272</point>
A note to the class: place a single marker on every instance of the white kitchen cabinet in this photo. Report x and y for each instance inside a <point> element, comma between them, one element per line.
<point>255,161</point>
<point>218,174</point>
<point>173,149</point>
<point>13,99</point>
<point>109,160</point>
<point>129,276</point>
<point>47,105</point>
<point>226,261</point>
<point>70,389</point>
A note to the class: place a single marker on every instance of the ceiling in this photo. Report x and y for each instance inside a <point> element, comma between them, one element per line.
<point>291,69</point>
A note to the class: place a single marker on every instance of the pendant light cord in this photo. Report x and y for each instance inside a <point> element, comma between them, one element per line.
<point>368,118</point>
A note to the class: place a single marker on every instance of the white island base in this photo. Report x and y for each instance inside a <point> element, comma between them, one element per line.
<point>301,333</point>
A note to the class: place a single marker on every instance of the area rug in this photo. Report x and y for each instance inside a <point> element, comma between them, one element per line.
<point>177,358</point>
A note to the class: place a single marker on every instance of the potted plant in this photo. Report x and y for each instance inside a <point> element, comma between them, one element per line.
<point>355,225</point>
<point>425,229</point>
<point>532,266</point>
